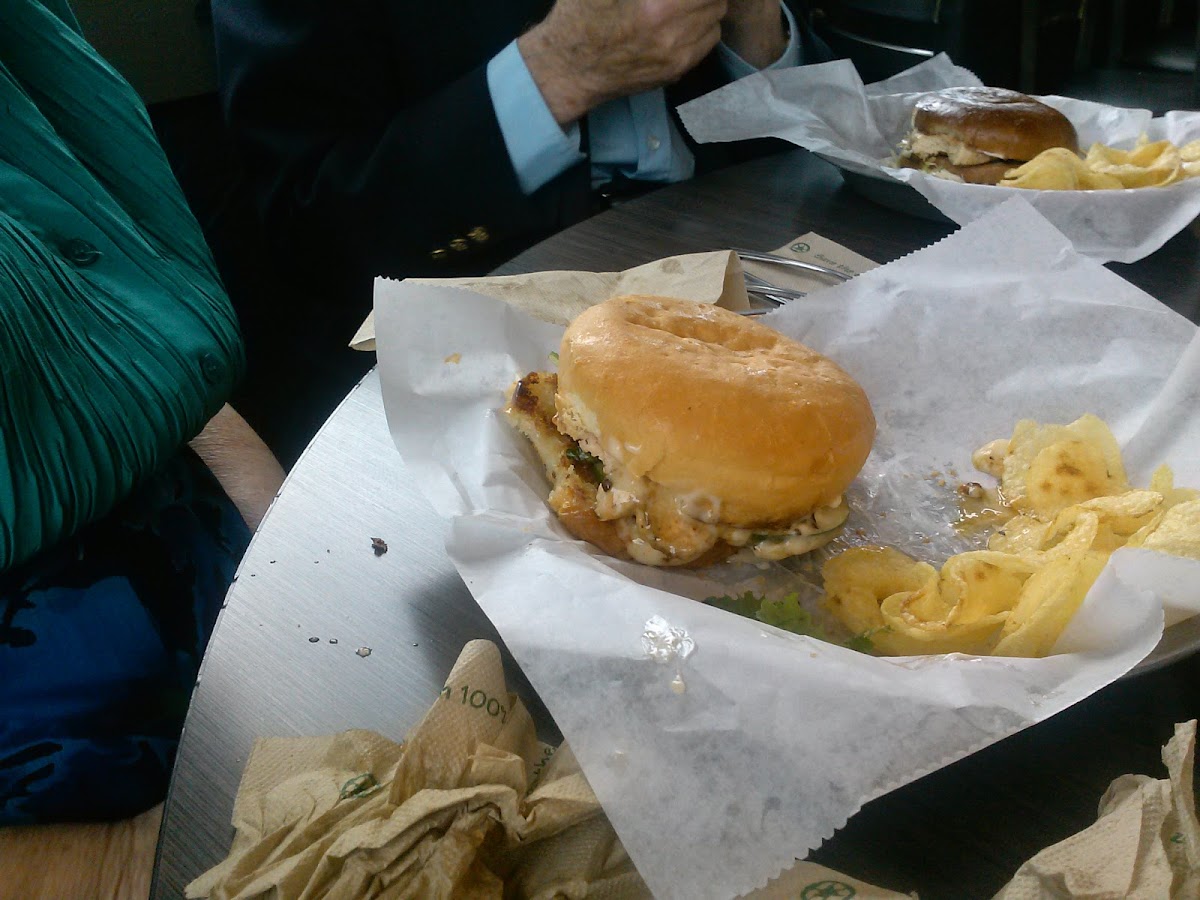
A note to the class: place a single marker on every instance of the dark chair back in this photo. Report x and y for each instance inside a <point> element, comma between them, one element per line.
<point>874,59</point>
<point>1022,44</point>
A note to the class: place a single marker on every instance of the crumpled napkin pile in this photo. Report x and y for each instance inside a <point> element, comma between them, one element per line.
<point>1144,844</point>
<point>469,803</point>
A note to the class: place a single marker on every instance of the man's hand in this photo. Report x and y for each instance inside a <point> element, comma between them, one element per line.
<point>754,30</point>
<point>588,51</point>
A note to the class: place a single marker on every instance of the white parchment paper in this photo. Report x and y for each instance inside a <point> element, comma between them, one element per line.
<point>827,109</point>
<point>718,769</point>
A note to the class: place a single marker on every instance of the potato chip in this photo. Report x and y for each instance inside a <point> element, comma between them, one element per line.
<point>1019,535</point>
<point>1122,515</point>
<point>1072,534</point>
<point>1163,482</point>
<point>1138,538</point>
<point>1048,601</point>
<point>1074,507</point>
<point>1059,169</point>
<point>989,458</point>
<point>1147,164</point>
<point>1063,474</point>
<point>859,579</point>
<point>1134,176</point>
<point>907,634</point>
<point>981,583</point>
<point>1087,464</point>
<point>1179,531</point>
<point>1163,479</point>
<point>1096,432</point>
<point>1136,528</point>
<point>1190,152</point>
<point>962,609</point>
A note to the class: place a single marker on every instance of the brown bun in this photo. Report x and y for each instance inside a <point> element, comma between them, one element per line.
<point>999,122</point>
<point>707,403</point>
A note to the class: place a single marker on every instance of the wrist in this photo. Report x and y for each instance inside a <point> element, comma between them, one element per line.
<point>564,93</point>
<point>759,36</point>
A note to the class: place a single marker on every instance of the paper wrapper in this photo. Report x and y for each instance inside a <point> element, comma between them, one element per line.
<point>470,802</point>
<point>714,277</point>
<point>827,109</point>
<point>471,805</point>
<point>784,736</point>
<point>1145,844</point>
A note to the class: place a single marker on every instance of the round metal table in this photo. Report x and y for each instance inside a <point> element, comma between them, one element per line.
<point>321,634</point>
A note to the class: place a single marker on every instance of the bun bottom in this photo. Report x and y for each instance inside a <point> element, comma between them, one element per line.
<point>984,173</point>
<point>575,507</point>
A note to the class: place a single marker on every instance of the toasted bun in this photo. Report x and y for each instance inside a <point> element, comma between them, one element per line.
<point>999,122</point>
<point>710,404</point>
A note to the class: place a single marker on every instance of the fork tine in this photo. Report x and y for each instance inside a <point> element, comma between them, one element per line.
<point>756,256</point>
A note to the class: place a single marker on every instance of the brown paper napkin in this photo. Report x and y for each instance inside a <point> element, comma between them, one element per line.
<point>714,277</point>
<point>1145,843</point>
<point>471,805</point>
<point>470,801</point>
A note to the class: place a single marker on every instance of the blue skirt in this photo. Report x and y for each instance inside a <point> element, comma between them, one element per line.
<point>101,639</point>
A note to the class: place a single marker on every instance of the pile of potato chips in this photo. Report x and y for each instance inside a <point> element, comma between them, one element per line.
<point>1071,506</point>
<point>1148,164</point>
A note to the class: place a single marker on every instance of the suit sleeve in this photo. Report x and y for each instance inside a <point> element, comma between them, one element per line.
<point>352,153</point>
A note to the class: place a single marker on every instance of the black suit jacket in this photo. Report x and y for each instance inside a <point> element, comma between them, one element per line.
<point>369,133</point>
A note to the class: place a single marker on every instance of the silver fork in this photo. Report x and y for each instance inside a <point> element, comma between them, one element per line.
<point>756,256</point>
<point>760,287</point>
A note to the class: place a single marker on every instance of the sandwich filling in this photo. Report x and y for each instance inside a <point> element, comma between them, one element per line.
<point>919,145</point>
<point>653,524</point>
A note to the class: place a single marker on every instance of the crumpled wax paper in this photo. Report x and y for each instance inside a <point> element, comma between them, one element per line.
<point>1144,845</point>
<point>827,109</point>
<point>720,765</point>
<point>469,805</point>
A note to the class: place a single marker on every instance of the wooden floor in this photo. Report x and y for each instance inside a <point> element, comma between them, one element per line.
<point>111,861</point>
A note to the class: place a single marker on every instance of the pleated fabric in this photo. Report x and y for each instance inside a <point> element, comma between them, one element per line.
<point>117,341</point>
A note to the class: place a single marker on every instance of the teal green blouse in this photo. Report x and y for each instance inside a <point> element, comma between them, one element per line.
<point>117,342</point>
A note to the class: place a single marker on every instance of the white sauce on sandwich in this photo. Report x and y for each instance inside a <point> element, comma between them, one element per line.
<point>661,528</point>
<point>922,146</point>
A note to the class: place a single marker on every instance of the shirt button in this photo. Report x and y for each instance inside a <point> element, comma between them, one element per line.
<point>459,245</point>
<point>80,252</point>
<point>211,368</point>
<point>653,142</point>
<point>479,234</point>
<point>439,254</point>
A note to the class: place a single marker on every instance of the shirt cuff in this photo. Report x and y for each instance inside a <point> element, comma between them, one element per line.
<point>736,67</point>
<point>538,147</point>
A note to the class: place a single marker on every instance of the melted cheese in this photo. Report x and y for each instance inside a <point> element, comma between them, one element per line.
<point>923,145</point>
<point>661,528</point>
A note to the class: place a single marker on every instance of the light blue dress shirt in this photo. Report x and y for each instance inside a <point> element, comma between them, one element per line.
<point>633,136</point>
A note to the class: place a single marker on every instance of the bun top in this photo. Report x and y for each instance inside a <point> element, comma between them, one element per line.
<point>712,406</point>
<point>995,121</point>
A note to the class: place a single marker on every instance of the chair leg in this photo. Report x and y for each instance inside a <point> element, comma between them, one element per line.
<point>93,861</point>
